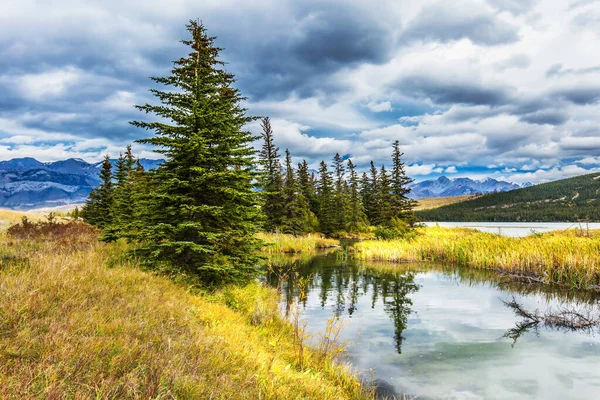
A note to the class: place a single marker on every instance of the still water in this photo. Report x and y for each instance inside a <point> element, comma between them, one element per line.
<point>440,333</point>
<point>517,229</point>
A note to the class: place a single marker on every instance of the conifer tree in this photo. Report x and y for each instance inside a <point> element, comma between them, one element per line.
<point>141,201</point>
<point>271,180</point>
<point>97,210</point>
<point>365,192</point>
<point>307,186</point>
<point>340,195</point>
<point>401,205</point>
<point>297,216</point>
<point>326,213</point>
<point>122,210</point>
<point>202,212</point>
<point>357,219</point>
<point>371,192</point>
<point>383,199</point>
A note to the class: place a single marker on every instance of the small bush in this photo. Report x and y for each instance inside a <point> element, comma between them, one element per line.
<point>72,233</point>
<point>398,229</point>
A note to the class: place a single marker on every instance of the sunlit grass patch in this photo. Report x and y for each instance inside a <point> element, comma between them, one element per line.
<point>282,243</point>
<point>72,327</point>
<point>570,258</point>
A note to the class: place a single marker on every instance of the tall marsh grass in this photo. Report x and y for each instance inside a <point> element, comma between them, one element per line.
<point>71,327</point>
<point>282,243</point>
<point>570,258</point>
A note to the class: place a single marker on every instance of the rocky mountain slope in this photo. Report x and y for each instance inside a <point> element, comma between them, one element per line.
<point>445,187</point>
<point>26,183</point>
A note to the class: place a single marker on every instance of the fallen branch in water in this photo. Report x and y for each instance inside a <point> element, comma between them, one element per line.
<point>568,319</point>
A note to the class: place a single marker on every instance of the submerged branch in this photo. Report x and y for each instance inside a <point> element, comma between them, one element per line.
<point>567,320</point>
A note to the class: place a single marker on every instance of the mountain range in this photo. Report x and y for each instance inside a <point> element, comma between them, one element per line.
<point>26,183</point>
<point>567,200</point>
<point>444,187</point>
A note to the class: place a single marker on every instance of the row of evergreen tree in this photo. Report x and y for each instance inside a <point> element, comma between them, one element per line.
<point>198,213</point>
<point>297,201</point>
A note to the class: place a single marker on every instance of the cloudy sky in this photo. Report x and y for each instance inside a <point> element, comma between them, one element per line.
<point>502,88</point>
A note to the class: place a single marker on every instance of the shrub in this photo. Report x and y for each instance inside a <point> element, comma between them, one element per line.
<point>74,232</point>
<point>398,229</point>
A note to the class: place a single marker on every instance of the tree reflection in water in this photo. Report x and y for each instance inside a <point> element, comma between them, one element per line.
<point>341,283</point>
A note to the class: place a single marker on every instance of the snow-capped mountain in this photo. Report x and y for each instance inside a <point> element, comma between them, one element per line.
<point>442,187</point>
<point>26,183</point>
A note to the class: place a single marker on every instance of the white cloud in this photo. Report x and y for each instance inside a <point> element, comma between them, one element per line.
<point>379,107</point>
<point>48,84</point>
<point>451,170</point>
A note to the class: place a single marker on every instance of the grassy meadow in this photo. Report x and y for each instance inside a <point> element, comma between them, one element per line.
<point>435,202</point>
<point>79,321</point>
<point>570,258</point>
<point>281,243</point>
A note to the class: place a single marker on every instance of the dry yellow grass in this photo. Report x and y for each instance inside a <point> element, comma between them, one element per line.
<point>71,327</point>
<point>282,243</point>
<point>569,258</point>
<point>10,217</point>
<point>427,204</point>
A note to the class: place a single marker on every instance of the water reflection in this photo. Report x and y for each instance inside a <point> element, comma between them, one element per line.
<point>344,283</point>
<point>438,331</point>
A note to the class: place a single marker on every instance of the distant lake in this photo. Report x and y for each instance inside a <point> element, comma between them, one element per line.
<point>516,229</point>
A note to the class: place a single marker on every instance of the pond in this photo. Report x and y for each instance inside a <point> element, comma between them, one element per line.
<point>439,332</point>
<point>517,229</point>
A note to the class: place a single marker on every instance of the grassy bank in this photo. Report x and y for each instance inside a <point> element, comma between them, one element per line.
<point>76,322</point>
<point>282,243</point>
<point>570,258</point>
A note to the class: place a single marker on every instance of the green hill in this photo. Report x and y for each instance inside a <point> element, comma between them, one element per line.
<point>569,200</point>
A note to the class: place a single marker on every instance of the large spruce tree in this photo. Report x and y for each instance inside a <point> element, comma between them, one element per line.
<point>202,213</point>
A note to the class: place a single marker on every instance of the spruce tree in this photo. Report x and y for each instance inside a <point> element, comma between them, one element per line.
<point>202,212</point>
<point>97,210</point>
<point>357,219</point>
<point>297,216</point>
<point>401,205</point>
<point>340,195</point>
<point>326,213</point>
<point>123,197</point>
<point>307,186</point>
<point>365,192</point>
<point>383,199</point>
<point>371,205</point>
<point>271,181</point>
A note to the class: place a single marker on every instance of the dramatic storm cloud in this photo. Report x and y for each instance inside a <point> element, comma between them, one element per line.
<point>501,88</point>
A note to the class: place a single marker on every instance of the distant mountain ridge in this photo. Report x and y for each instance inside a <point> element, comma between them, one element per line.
<point>567,200</point>
<point>445,187</point>
<point>26,183</point>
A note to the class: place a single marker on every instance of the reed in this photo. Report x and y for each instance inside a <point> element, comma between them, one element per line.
<point>282,243</point>
<point>570,258</point>
<point>72,327</point>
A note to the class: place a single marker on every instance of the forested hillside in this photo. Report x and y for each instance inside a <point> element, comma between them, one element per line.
<point>573,199</point>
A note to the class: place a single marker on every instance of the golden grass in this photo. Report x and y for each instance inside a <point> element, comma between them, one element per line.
<point>282,243</point>
<point>567,258</point>
<point>10,217</point>
<point>427,204</point>
<point>72,327</point>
